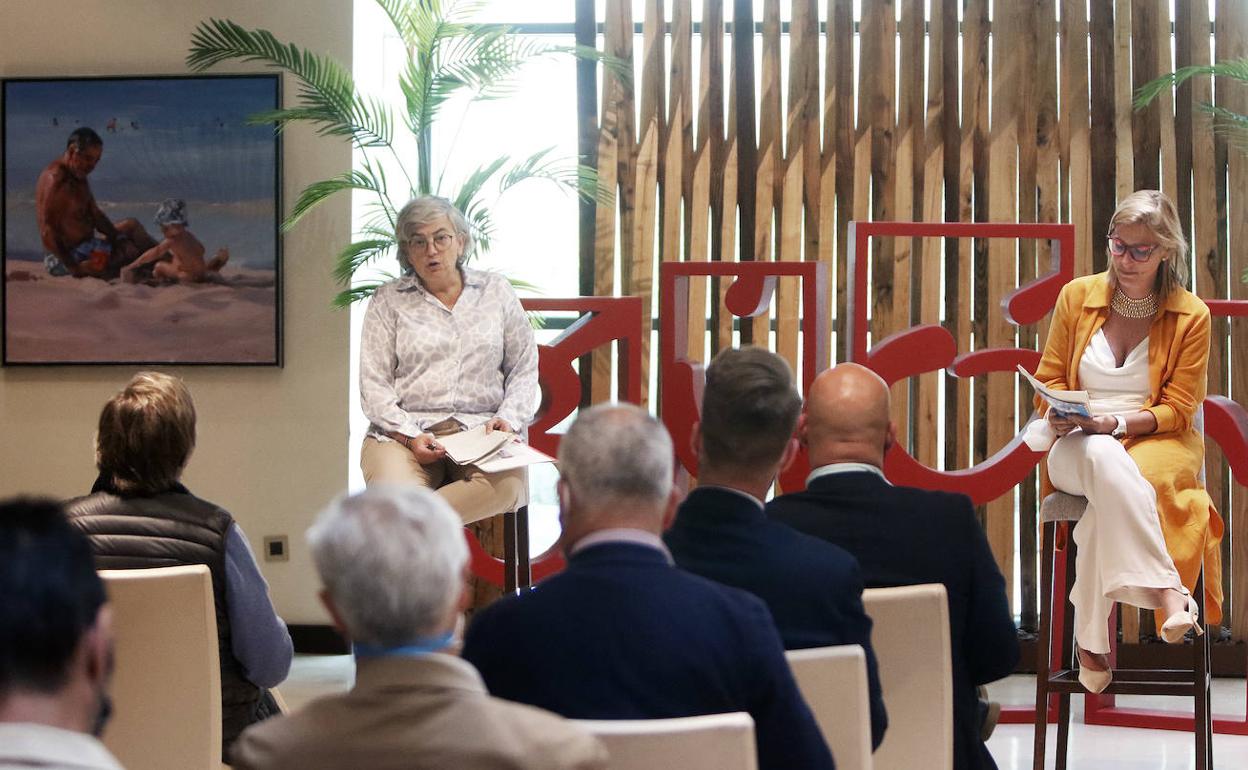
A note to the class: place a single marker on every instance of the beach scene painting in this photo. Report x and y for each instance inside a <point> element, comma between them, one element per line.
<point>140,221</point>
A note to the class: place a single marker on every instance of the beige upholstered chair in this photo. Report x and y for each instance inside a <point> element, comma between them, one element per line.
<point>833,680</point>
<point>911,641</point>
<point>711,742</point>
<point>167,684</point>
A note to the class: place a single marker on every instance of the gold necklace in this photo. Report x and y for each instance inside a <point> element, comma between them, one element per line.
<point>1145,307</point>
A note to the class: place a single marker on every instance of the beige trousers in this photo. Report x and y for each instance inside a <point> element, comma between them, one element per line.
<point>474,495</point>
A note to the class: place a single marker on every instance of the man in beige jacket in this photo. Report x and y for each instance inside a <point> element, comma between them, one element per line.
<point>393,561</point>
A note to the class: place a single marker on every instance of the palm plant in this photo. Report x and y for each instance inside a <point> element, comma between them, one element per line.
<point>448,56</point>
<point>1227,123</point>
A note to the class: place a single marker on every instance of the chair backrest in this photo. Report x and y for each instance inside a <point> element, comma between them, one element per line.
<point>833,680</point>
<point>166,687</point>
<point>711,742</point>
<point>911,642</point>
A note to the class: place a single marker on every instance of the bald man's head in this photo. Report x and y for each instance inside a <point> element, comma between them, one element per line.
<point>846,416</point>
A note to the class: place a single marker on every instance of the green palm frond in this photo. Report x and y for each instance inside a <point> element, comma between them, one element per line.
<point>326,97</point>
<point>1235,69</point>
<point>579,179</point>
<point>359,254</point>
<point>316,192</point>
<point>1229,124</point>
<point>348,297</point>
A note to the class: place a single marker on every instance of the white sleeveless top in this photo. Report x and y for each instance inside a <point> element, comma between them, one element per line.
<point>1111,389</point>
<point>1114,389</point>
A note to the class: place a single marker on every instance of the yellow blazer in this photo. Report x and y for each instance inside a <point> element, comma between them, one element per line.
<point>1172,457</point>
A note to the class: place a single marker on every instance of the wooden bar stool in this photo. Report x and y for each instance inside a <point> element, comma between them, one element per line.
<point>1057,671</point>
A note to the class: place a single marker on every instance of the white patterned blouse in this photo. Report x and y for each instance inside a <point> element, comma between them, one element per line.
<point>421,363</point>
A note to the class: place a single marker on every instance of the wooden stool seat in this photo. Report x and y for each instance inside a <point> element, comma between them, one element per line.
<point>1057,672</point>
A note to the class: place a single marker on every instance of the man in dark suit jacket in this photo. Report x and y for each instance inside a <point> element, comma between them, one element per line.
<point>744,438</point>
<point>623,634</point>
<point>903,536</point>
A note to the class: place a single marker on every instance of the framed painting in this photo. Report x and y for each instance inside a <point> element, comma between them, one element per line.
<point>141,221</point>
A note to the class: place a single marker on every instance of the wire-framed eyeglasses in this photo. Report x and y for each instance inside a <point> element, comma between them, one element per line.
<point>439,241</point>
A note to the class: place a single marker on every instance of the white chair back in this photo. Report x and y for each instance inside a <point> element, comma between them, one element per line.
<point>166,687</point>
<point>833,680</point>
<point>911,642</point>
<point>711,742</point>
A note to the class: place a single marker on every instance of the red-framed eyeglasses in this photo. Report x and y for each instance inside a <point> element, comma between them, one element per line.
<point>1140,253</point>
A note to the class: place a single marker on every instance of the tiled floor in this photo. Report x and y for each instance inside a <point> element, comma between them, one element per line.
<point>1091,747</point>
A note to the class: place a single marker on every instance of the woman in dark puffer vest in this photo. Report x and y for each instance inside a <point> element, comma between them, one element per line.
<point>139,515</point>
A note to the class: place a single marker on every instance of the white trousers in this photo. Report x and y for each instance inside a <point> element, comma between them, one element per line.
<point>1121,553</point>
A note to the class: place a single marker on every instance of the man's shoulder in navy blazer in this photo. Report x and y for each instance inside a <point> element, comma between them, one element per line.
<point>907,536</point>
<point>812,588</point>
<point>622,634</point>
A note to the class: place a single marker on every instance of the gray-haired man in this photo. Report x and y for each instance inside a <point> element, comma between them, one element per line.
<point>393,561</point>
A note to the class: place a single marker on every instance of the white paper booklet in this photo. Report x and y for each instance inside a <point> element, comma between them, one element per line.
<point>470,447</point>
<point>1063,401</point>
<point>514,454</point>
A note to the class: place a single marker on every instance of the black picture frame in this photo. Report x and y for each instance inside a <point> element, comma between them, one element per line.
<point>164,137</point>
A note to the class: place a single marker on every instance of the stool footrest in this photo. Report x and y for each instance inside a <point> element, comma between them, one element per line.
<point>1130,682</point>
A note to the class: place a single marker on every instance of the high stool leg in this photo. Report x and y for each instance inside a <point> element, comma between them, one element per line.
<point>1044,645</point>
<point>1202,725</point>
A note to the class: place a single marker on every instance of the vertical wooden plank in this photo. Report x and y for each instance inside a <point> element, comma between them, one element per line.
<point>1103,160</point>
<point>587,149</point>
<point>1124,157</point>
<point>678,160</point>
<point>840,80</point>
<point>802,117</point>
<point>972,207</point>
<point>1232,43</point>
<point>617,106</point>
<point>907,180</point>
<point>1007,76</point>
<point>731,163</point>
<point>706,215</point>
<point>1146,123</point>
<point>769,172</point>
<point>1211,264</point>
<point>926,390</point>
<point>1028,203</point>
<point>1183,110</point>
<point>877,121</point>
<point>746,144</point>
<point>1047,210</point>
<point>1076,128</point>
<point>1124,185</point>
<point>1165,103</point>
<point>640,280</point>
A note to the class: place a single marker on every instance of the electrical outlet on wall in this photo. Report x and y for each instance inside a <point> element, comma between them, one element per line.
<point>276,548</point>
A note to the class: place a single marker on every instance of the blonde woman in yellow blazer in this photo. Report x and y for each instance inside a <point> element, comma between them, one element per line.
<point>1139,343</point>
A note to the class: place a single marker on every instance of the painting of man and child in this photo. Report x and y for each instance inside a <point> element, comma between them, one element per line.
<point>141,221</point>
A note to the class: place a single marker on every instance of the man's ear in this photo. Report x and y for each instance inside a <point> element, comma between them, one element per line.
<point>791,448</point>
<point>695,439</point>
<point>801,431</point>
<point>890,437</point>
<point>669,510</point>
<point>334,615</point>
<point>98,642</point>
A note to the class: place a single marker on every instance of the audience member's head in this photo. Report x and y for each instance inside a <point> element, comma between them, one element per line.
<point>615,464</point>
<point>146,434</point>
<point>55,625</point>
<point>392,560</point>
<point>847,418</point>
<point>749,411</point>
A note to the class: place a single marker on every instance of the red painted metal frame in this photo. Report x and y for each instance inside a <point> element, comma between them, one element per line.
<point>749,296</point>
<point>930,347</point>
<point>603,321</point>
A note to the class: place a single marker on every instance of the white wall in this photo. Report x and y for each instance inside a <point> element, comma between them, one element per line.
<point>272,442</point>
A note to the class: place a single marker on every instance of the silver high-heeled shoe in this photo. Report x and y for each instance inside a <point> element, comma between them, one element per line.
<point>1178,624</point>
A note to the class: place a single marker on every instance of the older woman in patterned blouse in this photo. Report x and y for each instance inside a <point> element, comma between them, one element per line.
<point>444,349</point>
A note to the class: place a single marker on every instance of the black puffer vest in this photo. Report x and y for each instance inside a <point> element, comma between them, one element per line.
<point>167,530</point>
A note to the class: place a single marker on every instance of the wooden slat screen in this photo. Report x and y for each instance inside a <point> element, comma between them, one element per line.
<point>744,138</point>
